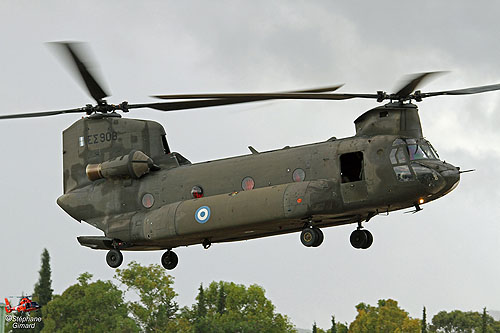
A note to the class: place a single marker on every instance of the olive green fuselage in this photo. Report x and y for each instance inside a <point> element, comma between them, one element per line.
<point>338,182</point>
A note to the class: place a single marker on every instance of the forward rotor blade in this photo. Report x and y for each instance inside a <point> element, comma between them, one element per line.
<point>466,91</point>
<point>42,114</point>
<point>81,60</point>
<point>412,83</point>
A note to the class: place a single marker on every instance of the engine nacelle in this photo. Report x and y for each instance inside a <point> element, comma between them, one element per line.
<point>134,165</point>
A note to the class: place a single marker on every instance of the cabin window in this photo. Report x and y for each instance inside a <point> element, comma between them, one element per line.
<point>351,167</point>
<point>197,192</point>
<point>148,200</point>
<point>247,183</point>
<point>298,175</point>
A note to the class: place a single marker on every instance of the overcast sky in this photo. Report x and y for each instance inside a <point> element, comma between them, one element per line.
<point>445,257</point>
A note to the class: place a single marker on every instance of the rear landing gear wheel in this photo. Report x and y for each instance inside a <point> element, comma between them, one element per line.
<point>114,258</point>
<point>169,260</point>
<point>311,237</point>
<point>361,239</point>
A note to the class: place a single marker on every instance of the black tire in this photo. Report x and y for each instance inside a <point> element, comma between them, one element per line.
<point>320,235</point>
<point>309,237</point>
<point>114,258</point>
<point>369,239</point>
<point>358,239</point>
<point>169,260</point>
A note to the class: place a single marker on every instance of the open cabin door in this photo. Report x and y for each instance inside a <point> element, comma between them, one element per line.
<point>353,183</point>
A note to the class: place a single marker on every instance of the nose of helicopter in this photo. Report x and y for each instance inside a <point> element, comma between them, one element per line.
<point>451,175</point>
<point>439,177</point>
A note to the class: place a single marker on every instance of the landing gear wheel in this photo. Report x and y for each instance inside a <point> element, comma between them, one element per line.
<point>114,258</point>
<point>359,239</point>
<point>369,239</point>
<point>309,237</point>
<point>169,260</point>
<point>320,235</point>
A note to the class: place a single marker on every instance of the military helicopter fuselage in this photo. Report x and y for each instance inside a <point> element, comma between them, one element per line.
<point>121,177</point>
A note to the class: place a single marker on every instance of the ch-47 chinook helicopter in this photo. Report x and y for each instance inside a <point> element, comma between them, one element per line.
<point>121,177</point>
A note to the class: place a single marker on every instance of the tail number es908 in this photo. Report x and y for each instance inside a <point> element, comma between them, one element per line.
<point>93,139</point>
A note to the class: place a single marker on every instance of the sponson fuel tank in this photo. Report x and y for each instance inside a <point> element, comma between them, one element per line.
<point>204,217</point>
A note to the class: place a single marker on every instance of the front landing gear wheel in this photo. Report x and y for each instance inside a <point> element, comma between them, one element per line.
<point>369,239</point>
<point>169,260</point>
<point>358,239</point>
<point>114,258</point>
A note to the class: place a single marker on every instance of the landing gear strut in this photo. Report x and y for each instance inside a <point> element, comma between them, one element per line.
<point>114,258</point>
<point>361,238</point>
<point>169,260</point>
<point>311,237</point>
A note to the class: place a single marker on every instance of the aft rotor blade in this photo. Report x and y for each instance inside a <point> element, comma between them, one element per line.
<point>186,105</point>
<point>75,53</point>
<point>466,91</point>
<point>318,90</point>
<point>410,85</point>
<point>42,114</point>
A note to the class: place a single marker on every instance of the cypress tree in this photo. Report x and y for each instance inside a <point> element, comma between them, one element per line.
<point>424,321</point>
<point>334,326</point>
<point>484,321</point>
<point>221,299</point>
<point>43,288</point>
<point>315,328</point>
<point>201,309</point>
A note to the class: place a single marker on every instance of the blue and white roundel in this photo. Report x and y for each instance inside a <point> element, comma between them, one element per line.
<point>202,214</point>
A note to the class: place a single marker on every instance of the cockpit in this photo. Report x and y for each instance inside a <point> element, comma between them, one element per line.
<point>406,153</point>
<point>414,149</point>
<point>416,162</point>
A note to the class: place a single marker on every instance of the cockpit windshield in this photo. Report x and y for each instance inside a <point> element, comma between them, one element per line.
<point>416,149</point>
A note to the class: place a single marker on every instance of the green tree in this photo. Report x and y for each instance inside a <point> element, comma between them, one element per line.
<point>424,321</point>
<point>466,322</point>
<point>200,310</point>
<point>333,329</point>
<point>386,317</point>
<point>43,288</point>
<point>342,328</point>
<point>88,307</point>
<point>156,309</point>
<point>236,308</point>
<point>315,328</point>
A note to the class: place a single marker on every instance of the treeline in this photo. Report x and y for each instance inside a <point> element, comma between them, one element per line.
<point>100,306</point>
<point>388,317</point>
